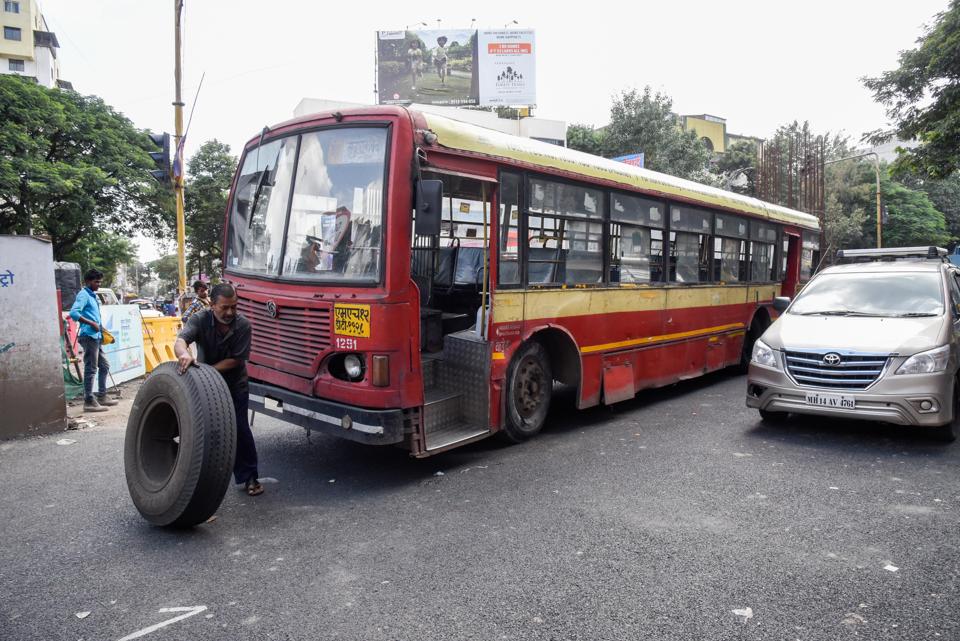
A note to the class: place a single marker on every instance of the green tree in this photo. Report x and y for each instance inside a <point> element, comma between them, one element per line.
<point>644,122</point>
<point>139,275</point>
<point>104,251</point>
<point>912,218</point>
<point>167,272</point>
<point>210,172</point>
<point>736,168</point>
<point>71,166</point>
<point>849,188</point>
<point>922,98</point>
<point>944,194</point>
<point>585,138</point>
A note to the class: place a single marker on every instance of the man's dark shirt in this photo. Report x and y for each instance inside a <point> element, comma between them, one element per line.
<point>212,347</point>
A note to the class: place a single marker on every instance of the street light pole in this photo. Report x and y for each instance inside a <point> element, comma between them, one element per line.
<point>876,169</point>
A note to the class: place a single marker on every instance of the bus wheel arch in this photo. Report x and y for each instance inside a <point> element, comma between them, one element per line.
<point>546,355</point>
<point>758,325</point>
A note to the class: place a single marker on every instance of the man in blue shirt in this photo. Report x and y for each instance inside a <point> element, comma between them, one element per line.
<point>86,311</point>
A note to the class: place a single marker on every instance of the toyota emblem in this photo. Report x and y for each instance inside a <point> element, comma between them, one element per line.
<point>272,309</point>
<point>831,359</point>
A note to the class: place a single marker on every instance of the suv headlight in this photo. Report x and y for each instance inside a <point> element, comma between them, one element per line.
<point>928,362</point>
<point>764,355</point>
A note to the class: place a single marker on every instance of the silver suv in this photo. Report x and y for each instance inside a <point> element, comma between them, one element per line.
<point>875,337</point>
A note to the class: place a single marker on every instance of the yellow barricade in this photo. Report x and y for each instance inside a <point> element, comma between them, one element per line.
<point>159,335</point>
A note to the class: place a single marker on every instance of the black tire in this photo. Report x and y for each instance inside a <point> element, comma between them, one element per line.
<point>180,445</point>
<point>528,389</point>
<point>948,433</point>
<point>773,418</point>
<point>757,327</point>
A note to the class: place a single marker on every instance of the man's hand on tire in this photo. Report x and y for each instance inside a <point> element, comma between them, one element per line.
<point>184,362</point>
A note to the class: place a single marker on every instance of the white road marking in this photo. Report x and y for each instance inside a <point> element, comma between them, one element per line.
<point>188,612</point>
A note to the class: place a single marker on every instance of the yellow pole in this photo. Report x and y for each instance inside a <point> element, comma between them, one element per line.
<point>486,261</point>
<point>876,167</point>
<point>178,179</point>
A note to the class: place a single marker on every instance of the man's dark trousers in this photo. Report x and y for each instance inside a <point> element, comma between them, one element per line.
<point>94,362</point>
<point>245,465</point>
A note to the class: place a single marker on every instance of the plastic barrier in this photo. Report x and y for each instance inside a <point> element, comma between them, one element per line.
<point>159,335</point>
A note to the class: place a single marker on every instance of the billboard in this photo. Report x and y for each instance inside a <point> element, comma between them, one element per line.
<point>456,67</point>
<point>507,69</point>
<point>428,66</point>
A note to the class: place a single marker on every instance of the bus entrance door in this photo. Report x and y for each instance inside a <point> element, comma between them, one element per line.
<point>451,271</point>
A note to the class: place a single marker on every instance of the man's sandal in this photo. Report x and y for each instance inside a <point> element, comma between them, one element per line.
<point>253,487</point>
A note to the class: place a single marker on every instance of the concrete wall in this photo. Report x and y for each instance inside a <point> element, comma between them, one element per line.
<point>31,374</point>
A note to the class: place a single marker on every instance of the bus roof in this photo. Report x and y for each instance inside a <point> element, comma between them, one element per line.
<point>462,136</point>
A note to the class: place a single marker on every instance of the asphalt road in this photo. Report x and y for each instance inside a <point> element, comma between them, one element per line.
<point>654,519</point>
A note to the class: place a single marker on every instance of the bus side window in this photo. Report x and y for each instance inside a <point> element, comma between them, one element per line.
<point>730,248</point>
<point>636,239</point>
<point>564,234</point>
<point>690,246</point>
<point>763,239</point>
<point>509,258</point>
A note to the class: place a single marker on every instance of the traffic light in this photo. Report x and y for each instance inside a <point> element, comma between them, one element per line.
<point>161,157</point>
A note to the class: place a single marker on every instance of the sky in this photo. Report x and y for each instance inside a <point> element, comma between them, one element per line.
<point>758,63</point>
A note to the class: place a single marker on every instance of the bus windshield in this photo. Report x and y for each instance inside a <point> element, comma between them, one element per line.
<point>310,207</point>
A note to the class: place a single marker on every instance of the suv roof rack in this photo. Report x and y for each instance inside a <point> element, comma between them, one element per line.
<point>890,253</point>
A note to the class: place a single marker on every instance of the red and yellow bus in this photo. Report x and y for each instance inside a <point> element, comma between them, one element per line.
<point>421,282</point>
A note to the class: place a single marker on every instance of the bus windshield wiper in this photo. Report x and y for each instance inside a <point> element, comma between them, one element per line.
<point>256,194</point>
<point>916,315</point>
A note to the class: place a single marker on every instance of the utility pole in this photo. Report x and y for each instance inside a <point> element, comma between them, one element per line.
<point>178,161</point>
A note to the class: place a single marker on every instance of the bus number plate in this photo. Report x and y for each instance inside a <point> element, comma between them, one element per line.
<point>351,320</point>
<point>831,400</point>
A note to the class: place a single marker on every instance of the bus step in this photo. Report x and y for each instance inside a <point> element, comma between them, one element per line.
<point>453,434</point>
<point>430,366</point>
<point>440,410</point>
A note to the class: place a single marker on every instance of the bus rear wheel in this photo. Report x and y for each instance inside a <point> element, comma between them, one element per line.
<point>529,387</point>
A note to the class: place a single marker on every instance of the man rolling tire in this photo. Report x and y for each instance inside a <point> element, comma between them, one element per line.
<point>222,336</point>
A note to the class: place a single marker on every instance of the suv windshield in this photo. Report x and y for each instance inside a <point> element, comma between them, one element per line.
<point>331,210</point>
<point>858,294</point>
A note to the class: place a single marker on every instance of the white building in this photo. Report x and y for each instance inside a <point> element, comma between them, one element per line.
<point>27,47</point>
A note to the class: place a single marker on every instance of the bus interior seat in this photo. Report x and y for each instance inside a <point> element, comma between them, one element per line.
<point>446,262</point>
<point>542,273</point>
<point>469,267</point>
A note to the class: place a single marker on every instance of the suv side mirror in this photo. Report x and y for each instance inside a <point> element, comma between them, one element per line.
<point>429,206</point>
<point>781,303</point>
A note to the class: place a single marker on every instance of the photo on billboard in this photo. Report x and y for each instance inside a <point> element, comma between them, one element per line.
<point>507,64</point>
<point>428,66</point>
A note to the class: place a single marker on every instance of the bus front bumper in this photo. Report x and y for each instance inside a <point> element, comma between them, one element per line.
<point>373,427</point>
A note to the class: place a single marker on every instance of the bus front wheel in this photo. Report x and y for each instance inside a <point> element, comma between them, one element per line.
<point>529,387</point>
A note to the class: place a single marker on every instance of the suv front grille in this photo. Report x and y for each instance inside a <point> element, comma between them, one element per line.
<point>853,372</point>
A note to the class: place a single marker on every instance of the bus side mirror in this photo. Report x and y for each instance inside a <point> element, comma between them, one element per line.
<point>781,303</point>
<point>429,206</point>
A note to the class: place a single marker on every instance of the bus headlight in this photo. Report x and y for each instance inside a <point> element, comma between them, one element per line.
<point>764,355</point>
<point>353,366</point>
<point>934,360</point>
